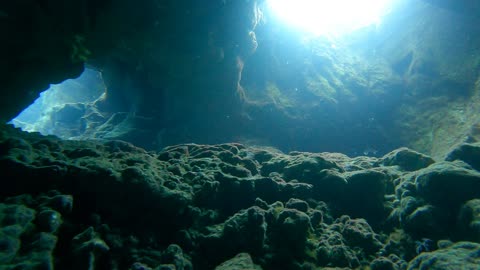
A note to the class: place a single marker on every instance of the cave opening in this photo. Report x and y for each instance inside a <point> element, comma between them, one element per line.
<point>62,109</point>
<point>329,18</point>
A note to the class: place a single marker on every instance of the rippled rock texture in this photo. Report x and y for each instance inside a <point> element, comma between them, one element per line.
<point>111,205</point>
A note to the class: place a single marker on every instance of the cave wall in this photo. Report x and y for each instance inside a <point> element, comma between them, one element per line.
<point>323,90</point>
<point>411,81</point>
<point>177,74</point>
<point>440,68</point>
<point>42,44</point>
<point>167,65</point>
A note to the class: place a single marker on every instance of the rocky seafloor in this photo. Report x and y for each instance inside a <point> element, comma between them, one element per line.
<point>111,205</point>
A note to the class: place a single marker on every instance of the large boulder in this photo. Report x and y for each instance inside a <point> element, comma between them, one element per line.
<point>461,255</point>
<point>469,153</point>
<point>407,159</point>
<point>448,184</point>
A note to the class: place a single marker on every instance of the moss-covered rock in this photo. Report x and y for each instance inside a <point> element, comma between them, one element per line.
<point>27,236</point>
<point>462,255</point>
<point>242,261</point>
<point>469,220</point>
<point>448,184</point>
<point>407,159</point>
<point>469,153</point>
<point>137,208</point>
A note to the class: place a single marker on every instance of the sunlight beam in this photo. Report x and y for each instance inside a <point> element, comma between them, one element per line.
<point>329,17</point>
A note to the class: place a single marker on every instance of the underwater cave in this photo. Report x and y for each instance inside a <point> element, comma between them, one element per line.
<point>240,134</point>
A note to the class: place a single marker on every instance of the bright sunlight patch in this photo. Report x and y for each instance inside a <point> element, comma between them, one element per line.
<point>329,17</point>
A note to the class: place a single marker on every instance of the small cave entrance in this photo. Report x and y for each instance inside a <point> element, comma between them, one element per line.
<point>62,110</point>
